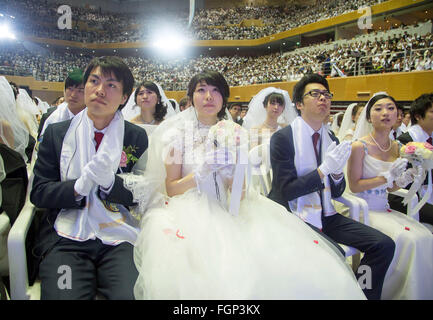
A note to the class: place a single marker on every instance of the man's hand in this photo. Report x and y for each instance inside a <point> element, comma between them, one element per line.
<point>99,170</point>
<point>335,158</point>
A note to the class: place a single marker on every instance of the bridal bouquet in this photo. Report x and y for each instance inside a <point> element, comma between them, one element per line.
<point>228,134</point>
<point>230,143</point>
<point>419,154</point>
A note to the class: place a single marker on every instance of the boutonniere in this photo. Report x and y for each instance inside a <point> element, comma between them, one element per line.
<point>127,156</point>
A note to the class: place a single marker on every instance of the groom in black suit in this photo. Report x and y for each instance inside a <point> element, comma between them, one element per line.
<point>77,264</point>
<point>313,101</point>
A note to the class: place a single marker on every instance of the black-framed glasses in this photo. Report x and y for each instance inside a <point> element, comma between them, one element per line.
<point>317,93</point>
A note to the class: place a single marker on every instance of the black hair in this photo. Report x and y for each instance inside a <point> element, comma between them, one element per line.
<point>234,104</point>
<point>115,65</point>
<point>183,102</point>
<point>212,78</point>
<point>74,79</point>
<point>274,97</point>
<point>420,106</point>
<point>356,108</point>
<point>160,108</point>
<point>299,88</point>
<point>374,100</point>
<point>14,88</point>
<point>340,119</point>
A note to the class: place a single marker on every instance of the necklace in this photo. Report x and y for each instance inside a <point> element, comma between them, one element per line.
<point>270,127</point>
<point>389,148</point>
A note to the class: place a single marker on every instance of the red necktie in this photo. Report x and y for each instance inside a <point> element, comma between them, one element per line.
<point>98,139</point>
<point>316,137</point>
<point>429,140</point>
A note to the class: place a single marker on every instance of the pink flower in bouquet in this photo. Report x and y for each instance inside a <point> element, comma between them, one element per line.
<point>410,149</point>
<point>123,159</point>
<point>428,146</point>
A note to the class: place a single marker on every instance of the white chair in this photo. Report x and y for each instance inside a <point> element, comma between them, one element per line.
<point>411,212</point>
<point>19,283</point>
<point>4,230</point>
<point>260,166</point>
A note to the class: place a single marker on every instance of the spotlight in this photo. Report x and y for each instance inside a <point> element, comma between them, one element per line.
<point>5,32</point>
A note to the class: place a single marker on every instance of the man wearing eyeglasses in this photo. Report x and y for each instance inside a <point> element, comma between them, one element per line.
<point>307,164</point>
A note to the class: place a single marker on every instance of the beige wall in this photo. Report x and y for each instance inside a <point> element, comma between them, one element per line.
<point>404,86</point>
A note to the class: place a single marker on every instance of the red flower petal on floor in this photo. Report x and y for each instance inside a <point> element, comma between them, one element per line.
<point>316,242</point>
<point>407,228</point>
<point>178,235</point>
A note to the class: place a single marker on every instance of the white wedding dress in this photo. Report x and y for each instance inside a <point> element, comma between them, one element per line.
<point>410,275</point>
<point>191,247</point>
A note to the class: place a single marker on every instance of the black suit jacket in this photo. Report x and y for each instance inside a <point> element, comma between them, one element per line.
<point>49,192</point>
<point>44,118</point>
<point>286,185</point>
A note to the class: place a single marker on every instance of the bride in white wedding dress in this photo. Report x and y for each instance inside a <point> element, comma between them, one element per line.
<point>374,169</point>
<point>191,247</point>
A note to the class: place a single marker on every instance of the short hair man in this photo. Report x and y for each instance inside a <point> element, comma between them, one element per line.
<point>235,112</point>
<point>308,169</point>
<point>396,128</point>
<point>421,130</point>
<point>406,120</point>
<point>184,104</point>
<point>73,104</point>
<point>88,229</point>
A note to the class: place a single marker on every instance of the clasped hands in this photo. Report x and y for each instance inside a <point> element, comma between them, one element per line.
<point>335,158</point>
<point>397,173</point>
<point>219,159</point>
<point>98,171</point>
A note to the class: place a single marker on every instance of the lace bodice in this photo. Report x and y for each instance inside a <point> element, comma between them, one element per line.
<point>193,154</point>
<point>376,198</point>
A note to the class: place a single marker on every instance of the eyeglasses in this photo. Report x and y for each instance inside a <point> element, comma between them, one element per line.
<point>318,93</point>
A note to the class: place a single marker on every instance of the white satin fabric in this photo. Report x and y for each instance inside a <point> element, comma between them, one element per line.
<point>191,247</point>
<point>410,275</point>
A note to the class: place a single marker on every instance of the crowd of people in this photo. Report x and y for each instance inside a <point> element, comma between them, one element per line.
<point>94,25</point>
<point>140,220</point>
<point>402,51</point>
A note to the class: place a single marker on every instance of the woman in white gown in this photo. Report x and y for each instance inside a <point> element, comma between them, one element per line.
<point>191,247</point>
<point>351,116</point>
<point>374,168</point>
<point>148,106</point>
<point>268,111</point>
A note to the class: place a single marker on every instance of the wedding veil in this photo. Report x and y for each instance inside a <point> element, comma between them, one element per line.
<point>256,114</point>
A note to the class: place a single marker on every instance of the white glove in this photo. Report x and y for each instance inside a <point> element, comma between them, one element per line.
<point>396,169</point>
<point>213,161</point>
<point>99,170</point>
<point>336,157</point>
<point>83,185</point>
<point>406,177</point>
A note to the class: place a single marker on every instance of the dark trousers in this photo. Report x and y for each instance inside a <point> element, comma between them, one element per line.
<point>425,213</point>
<point>377,247</point>
<point>74,270</point>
